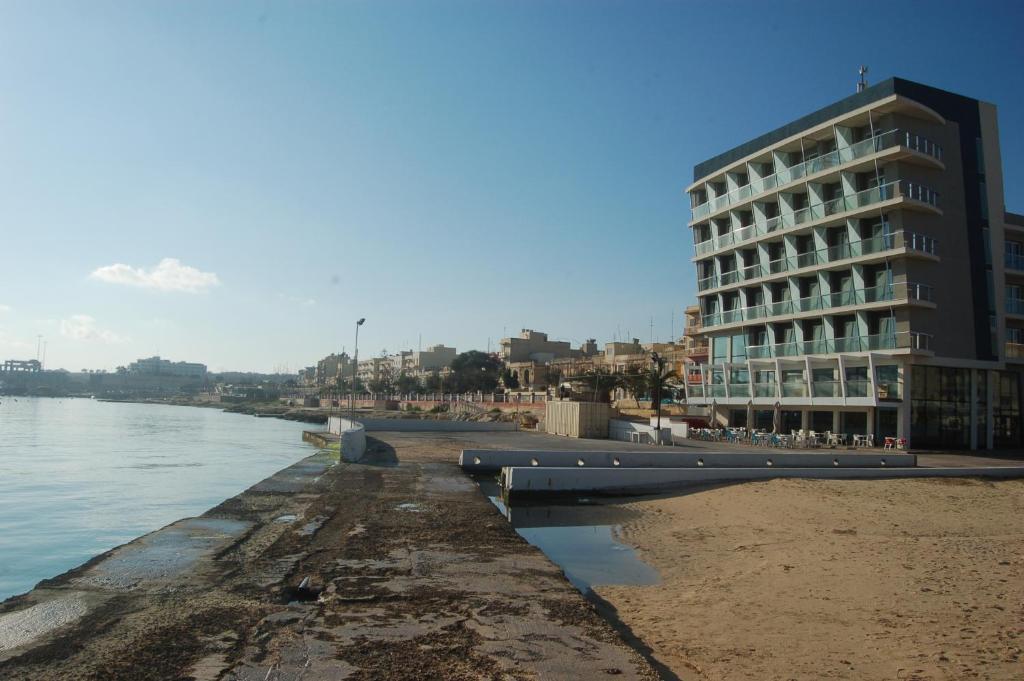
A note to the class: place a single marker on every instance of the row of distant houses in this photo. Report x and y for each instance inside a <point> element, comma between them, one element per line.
<point>532,359</point>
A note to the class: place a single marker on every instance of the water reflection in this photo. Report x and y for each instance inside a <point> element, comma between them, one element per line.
<point>78,477</point>
<point>579,536</point>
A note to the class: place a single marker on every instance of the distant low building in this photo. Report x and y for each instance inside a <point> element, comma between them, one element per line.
<point>156,366</point>
<point>534,346</point>
<point>21,365</point>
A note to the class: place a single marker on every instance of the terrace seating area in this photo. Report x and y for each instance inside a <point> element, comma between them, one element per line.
<point>796,439</point>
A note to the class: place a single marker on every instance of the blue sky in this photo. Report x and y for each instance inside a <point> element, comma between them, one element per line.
<point>455,171</point>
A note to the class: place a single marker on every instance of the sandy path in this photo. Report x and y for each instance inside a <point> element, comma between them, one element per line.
<point>812,579</point>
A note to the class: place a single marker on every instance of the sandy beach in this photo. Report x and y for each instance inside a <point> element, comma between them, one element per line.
<point>811,579</point>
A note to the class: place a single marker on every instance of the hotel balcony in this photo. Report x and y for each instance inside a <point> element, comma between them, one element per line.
<point>874,248</point>
<point>907,340</point>
<point>1015,307</point>
<point>828,346</point>
<point>905,140</point>
<point>830,303</point>
<point>711,387</point>
<point>822,213</point>
<point>1014,352</point>
<point>1013,261</point>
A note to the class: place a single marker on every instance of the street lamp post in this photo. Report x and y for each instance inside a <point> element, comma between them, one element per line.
<point>658,362</point>
<point>355,369</point>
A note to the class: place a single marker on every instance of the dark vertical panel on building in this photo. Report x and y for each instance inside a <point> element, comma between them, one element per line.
<point>965,112</point>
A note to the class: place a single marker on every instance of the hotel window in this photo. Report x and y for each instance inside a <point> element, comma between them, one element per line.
<point>739,348</point>
<point>940,412</point>
<point>1006,410</point>
<point>719,350</point>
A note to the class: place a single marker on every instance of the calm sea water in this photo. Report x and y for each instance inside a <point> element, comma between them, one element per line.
<point>79,477</point>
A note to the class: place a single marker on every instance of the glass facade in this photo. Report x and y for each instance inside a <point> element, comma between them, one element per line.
<point>940,408</point>
<point>1006,410</point>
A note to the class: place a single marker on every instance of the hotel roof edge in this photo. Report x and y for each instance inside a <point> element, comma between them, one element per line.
<point>878,91</point>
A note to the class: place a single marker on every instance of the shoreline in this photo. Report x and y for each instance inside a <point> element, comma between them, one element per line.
<point>397,567</point>
<point>910,579</point>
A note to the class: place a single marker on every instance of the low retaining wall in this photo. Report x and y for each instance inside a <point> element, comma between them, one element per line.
<point>482,460</point>
<point>526,481</point>
<point>353,437</point>
<point>435,425</point>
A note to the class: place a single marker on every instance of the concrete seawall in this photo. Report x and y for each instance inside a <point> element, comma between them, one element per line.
<point>526,481</point>
<point>483,460</point>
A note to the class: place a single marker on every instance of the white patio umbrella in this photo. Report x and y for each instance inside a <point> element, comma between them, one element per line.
<point>712,421</point>
<point>777,418</point>
<point>750,416</point>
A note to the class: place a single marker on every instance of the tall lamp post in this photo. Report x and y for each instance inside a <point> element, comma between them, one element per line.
<point>658,363</point>
<point>355,369</point>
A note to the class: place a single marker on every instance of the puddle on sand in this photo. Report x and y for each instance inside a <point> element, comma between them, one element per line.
<point>579,537</point>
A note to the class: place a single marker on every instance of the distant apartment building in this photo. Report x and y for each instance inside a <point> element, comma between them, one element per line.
<point>534,346</point>
<point>156,366</point>
<point>372,369</point>
<point>434,358</point>
<point>537,362</point>
<point>333,368</point>
<point>857,270</point>
<point>307,376</point>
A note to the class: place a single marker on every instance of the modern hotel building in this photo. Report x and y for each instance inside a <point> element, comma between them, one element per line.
<point>856,270</point>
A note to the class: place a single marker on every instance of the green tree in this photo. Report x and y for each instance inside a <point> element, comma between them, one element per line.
<point>406,383</point>
<point>508,379</point>
<point>600,383</point>
<point>475,370</point>
<point>432,383</point>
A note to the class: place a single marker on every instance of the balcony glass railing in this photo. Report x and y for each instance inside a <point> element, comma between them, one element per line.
<point>885,341</point>
<point>842,204</point>
<point>857,387</point>
<point>739,390</point>
<point>716,390</point>
<point>794,389</point>
<point>827,389</point>
<point>875,294</point>
<point>1015,305</point>
<point>1014,261</point>
<point>764,390</point>
<point>888,390</point>
<point>834,159</point>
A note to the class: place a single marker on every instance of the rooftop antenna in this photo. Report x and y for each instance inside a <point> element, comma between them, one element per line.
<point>862,83</point>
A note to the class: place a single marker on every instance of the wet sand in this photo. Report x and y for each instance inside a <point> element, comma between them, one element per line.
<point>412,574</point>
<point>814,579</point>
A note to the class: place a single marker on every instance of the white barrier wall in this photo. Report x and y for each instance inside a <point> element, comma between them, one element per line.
<point>622,430</point>
<point>435,425</point>
<point>353,437</point>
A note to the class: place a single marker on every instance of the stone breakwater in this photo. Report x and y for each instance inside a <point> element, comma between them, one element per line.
<point>396,567</point>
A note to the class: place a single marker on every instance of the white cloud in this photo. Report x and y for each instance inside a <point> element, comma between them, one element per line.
<point>304,302</point>
<point>9,341</point>
<point>83,327</point>
<point>169,275</point>
<point>5,308</point>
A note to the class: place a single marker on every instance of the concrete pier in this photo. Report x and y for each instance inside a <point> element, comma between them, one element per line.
<point>520,481</point>
<point>486,460</point>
